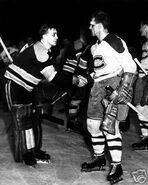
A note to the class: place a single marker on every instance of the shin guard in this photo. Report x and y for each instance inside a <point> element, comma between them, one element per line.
<point>37,128</point>
<point>23,130</point>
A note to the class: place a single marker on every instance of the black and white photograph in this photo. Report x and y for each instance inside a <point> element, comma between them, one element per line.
<point>73,92</point>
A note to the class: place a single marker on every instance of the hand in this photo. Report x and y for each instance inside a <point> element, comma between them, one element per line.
<point>75,80</point>
<point>82,81</point>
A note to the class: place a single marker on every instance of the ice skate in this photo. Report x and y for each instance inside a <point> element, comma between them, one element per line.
<point>96,164</point>
<point>115,174</point>
<point>42,157</point>
<point>142,144</point>
<point>29,159</point>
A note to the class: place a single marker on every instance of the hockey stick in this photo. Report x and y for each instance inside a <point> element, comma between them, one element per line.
<point>135,109</point>
<point>64,94</point>
<point>128,103</point>
<point>6,51</point>
<point>139,64</point>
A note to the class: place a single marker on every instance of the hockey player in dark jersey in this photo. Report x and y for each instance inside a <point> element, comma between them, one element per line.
<point>113,66</point>
<point>141,91</point>
<point>25,90</point>
<point>77,65</point>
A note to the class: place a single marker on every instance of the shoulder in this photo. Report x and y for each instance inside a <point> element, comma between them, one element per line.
<point>115,42</point>
<point>94,47</point>
<point>40,52</point>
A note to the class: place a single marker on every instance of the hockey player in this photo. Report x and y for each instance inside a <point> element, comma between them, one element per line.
<point>24,79</point>
<point>5,61</point>
<point>113,66</point>
<point>76,65</point>
<point>141,92</point>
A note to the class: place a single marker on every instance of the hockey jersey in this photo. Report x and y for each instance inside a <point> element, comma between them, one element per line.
<point>26,69</point>
<point>111,57</point>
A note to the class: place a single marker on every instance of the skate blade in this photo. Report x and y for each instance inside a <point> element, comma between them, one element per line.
<point>116,181</point>
<point>31,166</point>
<point>93,169</point>
<point>141,149</point>
<point>39,161</point>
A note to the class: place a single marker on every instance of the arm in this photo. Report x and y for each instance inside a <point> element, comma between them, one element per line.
<point>125,89</point>
<point>49,72</point>
<point>85,67</point>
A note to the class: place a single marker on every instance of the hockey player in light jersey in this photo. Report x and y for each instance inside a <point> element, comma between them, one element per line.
<point>141,92</point>
<point>113,66</point>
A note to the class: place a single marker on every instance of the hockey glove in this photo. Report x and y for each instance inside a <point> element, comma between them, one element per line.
<point>125,89</point>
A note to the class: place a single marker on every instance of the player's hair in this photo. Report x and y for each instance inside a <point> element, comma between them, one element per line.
<point>144,21</point>
<point>44,29</point>
<point>102,17</point>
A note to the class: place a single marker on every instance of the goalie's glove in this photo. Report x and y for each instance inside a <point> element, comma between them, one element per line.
<point>125,89</point>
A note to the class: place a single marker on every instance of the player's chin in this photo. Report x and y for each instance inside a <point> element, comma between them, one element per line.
<point>54,43</point>
<point>92,34</point>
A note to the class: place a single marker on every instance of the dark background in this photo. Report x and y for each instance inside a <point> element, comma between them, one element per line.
<point>24,18</point>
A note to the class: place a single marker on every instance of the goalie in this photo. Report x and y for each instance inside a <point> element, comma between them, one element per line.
<point>24,79</point>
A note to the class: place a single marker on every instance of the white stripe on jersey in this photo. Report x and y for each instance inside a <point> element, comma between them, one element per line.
<point>82,63</point>
<point>72,62</point>
<point>18,81</point>
<point>28,77</point>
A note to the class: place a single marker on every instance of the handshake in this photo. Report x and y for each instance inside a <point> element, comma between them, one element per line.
<point>79,80</point>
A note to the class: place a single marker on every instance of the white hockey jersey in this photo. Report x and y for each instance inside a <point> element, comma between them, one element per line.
<point>111,57</point>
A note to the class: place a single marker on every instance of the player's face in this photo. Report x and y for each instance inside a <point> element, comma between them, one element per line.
<point>95,28</point>
<point>52,37</point>
<point>144,30</point>
<point>92,26</point>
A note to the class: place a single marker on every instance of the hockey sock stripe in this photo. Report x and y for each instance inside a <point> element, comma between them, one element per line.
<point>115,148</point>
<point>98,144</point>
<point>114,139</point>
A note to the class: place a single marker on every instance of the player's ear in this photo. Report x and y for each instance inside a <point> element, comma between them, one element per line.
<point>100,26</point>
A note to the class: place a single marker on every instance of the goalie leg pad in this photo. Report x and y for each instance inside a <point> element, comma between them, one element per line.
<point>37,128</point>
<point>23,129</point>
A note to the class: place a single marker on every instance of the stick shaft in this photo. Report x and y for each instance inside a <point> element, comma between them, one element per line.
<point>136,110</point>
<point>5,49</point>
<point>59,98</point>
<point>139,64</point>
